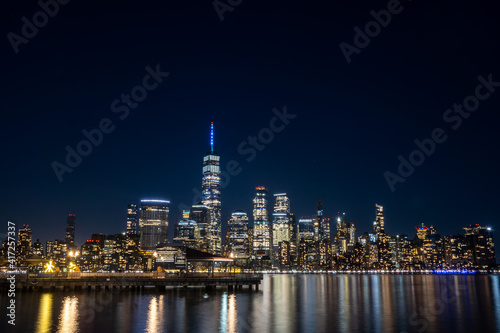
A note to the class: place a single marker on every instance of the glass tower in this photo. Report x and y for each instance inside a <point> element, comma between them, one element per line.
<point>281,219</point>
<point>132,219</point>
<point>211,195</point>
<point>153,223</point>
<point>261,224</point>
<point>238,235</point>
<point>70,229</point>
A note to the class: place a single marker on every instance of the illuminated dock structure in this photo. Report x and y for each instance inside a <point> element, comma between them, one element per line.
<point>132,281</point>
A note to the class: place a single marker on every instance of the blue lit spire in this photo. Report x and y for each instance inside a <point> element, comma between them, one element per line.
<point>212,137</point>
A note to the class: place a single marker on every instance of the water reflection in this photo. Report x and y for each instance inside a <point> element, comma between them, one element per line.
<point>155,314</point>
<point>285,303</point>
<point>44,320</point>
<point>68,319</point>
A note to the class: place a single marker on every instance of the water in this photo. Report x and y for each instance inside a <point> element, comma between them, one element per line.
<point>284,303</point>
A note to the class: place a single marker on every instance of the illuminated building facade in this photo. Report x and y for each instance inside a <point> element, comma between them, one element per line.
<point>479,241</point>
<point>281,224</point>
<point>70,229</point>
<point>153,223</point>
<point>261,224</point>
<point>211,196</point>
<point>201,215</point>
<point>23,248</point>
<point>131,219</point>
<point>342,237</point>
<point>238,242</point>
<point>187,233</point>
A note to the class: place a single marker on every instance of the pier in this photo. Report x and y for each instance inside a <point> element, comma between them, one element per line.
<point>158,280</point>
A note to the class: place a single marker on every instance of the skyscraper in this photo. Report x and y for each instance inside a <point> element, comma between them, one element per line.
<point>211,195</point>
<point>201,215</point>
<point>379,224</point>
<point>261,224</point>
<point>479,241</point>
<point>132,219</point>
<point>281,220</point>
<point>23,248</point>
<point>318,222</point>
<point>153,223</point>
<point>70,229</point>
<point>238,235</point>
<point>384,253</point>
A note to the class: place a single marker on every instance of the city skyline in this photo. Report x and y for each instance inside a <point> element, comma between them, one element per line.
<point>351,120</point>
<point>215,229</point>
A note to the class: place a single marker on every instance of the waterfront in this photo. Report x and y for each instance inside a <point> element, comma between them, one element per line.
<point>285,303</point>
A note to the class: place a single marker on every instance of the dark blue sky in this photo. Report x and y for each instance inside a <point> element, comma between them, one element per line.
<point>353,120</point>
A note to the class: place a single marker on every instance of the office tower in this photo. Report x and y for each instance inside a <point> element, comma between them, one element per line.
<point>433,252</point>
<point>131,219</point>
<point>384,253</point>
<point>423,231</point>
<point>480,243</point>
<point>293,241</point>
<point>201,215</point>
<point>318,222</point>
<point>261,224</point>
<point>57,250</point>
<point>91,253</point>
<point>379,225</point>
<point>211,195</point>
<point>281,220</point>
<point>23,248</point>
<point>70,229</point>
<point>153,223</point>
<point>114,253</point>
<point>238,244</point>
<point>306,229</point>
<point>326,228</point>
<point>37,248</point>
<point>187,233</point>
<point>132,253</point>
<point>455,251</point>
<point>342,237</point>
<point>353,236</point>
<point>250,242</point>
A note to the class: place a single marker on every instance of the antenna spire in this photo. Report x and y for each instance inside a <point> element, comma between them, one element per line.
<point>212,137</point>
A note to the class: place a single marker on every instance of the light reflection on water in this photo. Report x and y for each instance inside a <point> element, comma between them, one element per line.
<point>44,320</point>
<point>285,303</point>
<point>68,319</point>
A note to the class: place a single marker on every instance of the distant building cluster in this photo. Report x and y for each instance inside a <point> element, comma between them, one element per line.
<point>276,240</point>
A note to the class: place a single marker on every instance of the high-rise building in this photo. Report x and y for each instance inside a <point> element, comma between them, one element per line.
<point>379,224</point>
<point>153,223</point>
<point>343,236</point>
<point>187,233</point>
<point>201,215</point>
<point>281,220</point>
<point>70,229</point>
<point>238,247</point>
<point>318,222</point>
<point>383,240</point>
<point>23,248</point>
<point>306,229</point>
<point>261,224</point>
<point>131,219</point>
<point>211,195</point>
<point>479,241</point>
<point>326,228</point>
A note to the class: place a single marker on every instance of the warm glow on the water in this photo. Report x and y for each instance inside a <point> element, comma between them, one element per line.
<point>44,321</point>
<point>155,315</point>
<point>232,314</point>
<point>69,317</point>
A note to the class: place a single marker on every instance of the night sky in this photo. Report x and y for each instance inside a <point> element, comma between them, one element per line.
<point>352,120</point>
